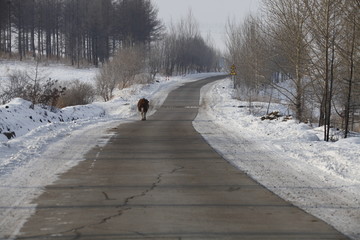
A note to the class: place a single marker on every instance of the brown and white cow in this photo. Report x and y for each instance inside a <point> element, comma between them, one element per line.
<point>143,107</point>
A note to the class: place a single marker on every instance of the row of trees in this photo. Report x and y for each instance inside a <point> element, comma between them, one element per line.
<point>94,30</point>
<point>81,30</point>
<point>125,36</point>
<point>181,50</point>
<point>314,44</point>
<point>184,50</point>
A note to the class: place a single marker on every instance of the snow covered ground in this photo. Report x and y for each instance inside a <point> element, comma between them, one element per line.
<point>286,157</point>
<point>56,71</point>
<point>322,178</point>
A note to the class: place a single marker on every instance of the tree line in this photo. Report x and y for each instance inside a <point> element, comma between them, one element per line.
<point>124,38</point>
<point>315,46</point>
<point>184,50</point>
<point>92,31</point>
<point>80,30</point>
<point>180,50</point>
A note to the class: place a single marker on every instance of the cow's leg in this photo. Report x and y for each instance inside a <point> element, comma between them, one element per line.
<point>142,114</point>
<point>144,118</point>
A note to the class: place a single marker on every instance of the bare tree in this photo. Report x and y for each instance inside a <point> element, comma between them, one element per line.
<point>15,86</point>
<point>129,62</point>
<point>348,51</point>
<point>106,81</point>
<point>287,24</point>
<point>247,50</point>
<point>120,71</point>
<point>324,28</point>
<point>156,58</point>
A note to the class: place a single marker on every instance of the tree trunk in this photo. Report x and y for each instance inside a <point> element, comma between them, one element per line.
<point>350,80</point>
<point>20,34</point>
<point>9,29</point>
<point>326,93</point>
<point>32,40</point>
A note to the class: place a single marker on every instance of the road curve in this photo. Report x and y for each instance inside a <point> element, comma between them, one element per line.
<point>159,179</point>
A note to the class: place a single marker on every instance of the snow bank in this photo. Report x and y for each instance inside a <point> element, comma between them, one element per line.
<point>286,157</point>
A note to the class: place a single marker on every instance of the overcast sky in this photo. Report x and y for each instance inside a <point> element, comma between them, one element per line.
<point>211,15</point>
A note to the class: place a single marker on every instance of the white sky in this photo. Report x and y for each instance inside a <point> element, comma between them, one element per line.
<point>211,15</point>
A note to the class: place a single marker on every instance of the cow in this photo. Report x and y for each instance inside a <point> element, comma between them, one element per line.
<point>143,107</point>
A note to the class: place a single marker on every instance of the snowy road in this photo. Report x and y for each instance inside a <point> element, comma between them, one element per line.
<point>322,178</point>
<point>160,179</point>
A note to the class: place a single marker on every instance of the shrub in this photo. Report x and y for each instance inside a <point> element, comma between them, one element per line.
<point>106,81</point>
<point>31,88</point>
<point>51,93</point>
<point>14,86</point>
<point>121,72</point>
<point>77,93</point>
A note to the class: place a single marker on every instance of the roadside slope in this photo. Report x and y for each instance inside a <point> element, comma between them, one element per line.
<point>285,157</point>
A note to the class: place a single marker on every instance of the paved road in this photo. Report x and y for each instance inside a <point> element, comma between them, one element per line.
<point>158,179</point>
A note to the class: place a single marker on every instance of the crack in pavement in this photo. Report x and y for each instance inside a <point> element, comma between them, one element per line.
<point>122,208</point>
<point>153,186</point>
<point>107,196</point>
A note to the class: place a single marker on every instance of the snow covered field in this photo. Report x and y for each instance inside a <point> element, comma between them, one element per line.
<point>322,178</point>
<point>56,71</point>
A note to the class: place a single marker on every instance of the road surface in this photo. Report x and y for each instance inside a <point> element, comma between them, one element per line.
<point>159,179</point>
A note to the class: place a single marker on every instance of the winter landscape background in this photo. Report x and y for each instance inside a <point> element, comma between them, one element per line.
<point>289,116</point>
<point>287,157</point>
